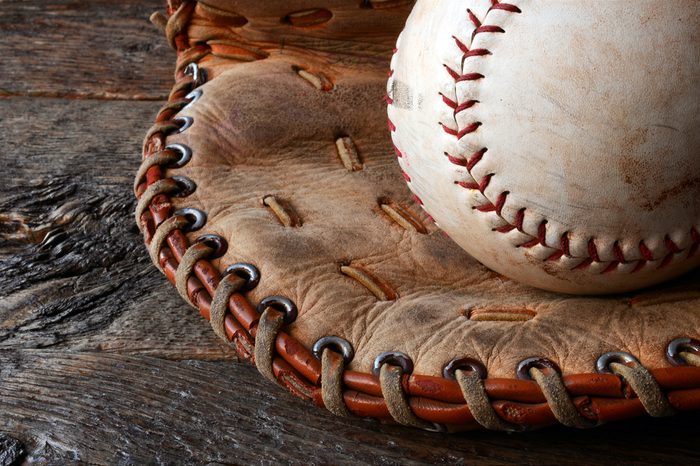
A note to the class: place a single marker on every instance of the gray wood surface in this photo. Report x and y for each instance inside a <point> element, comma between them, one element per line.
<point>100,360</point>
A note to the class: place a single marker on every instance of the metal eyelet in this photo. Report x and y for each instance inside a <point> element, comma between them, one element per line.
<point>184,122</point>
<point>186,185</point>
<point>395,358</point>
<point>522,372</point>
<point>185,154</point>
<point>193,97</point>
<point>282,304</point>
<point>681,345</point>
<point>199,75</point>
<point>602,365</point>
<point>337,344</point>
<point>216,242</point>
<point>465,364</point>
<point>196,217</point>
<point>248,272</point>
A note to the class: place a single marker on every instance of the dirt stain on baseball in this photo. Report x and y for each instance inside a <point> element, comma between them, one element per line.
<point>402,95</point>
<point>640,171</point>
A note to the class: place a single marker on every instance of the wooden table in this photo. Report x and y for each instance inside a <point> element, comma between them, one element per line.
<point>100,360</point>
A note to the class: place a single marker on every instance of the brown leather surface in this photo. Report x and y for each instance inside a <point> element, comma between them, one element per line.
<point>261,129</point>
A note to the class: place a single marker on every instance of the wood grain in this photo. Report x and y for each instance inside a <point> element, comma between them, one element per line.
<point>75,270</point>
<point>100,360</point>
<point>98,49</point>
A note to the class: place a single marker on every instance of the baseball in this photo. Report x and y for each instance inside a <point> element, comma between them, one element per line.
<point>556,141</point>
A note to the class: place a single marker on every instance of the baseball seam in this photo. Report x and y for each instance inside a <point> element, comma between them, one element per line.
<point>562,250</point>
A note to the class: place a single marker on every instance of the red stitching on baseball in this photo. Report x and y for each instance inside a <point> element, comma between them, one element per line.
<point>619,254</point>
<point>646,253</point>
<point>611,268</point>
<point>519,219</point>
<point>497,207</point>
<point>563,249</point>
<point>555,257</point>
<point>666,260</point>
<point>695,236</point>
<point>476,158</point>
<point>456,161</point>
<point>640,265</point>
<point>480,186</point>
<point>471,162</point>
<point>458,107</point>
<point>474,19</point>
<point>584,265</point>
<point>470,53</point>
<point>564,244</point>
<point>593,250</point>
<point>463,77</point>
<point>671,246</point>
<point>496,5</point>
<point>459,134</point>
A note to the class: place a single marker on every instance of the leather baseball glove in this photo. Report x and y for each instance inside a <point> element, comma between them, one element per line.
<point>270,195</point>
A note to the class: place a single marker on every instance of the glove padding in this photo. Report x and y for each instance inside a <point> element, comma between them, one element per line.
<point>294,168</point>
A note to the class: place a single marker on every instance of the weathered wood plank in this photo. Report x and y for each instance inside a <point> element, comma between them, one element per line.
<point>115,409</point>
<point>11,450</point>
<point>74,271</point>
<point>97,49</point>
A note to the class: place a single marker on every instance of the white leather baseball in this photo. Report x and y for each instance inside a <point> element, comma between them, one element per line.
<point>556,141</point>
